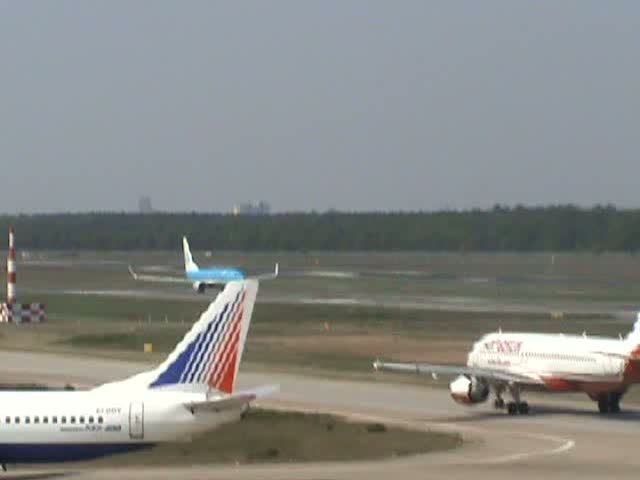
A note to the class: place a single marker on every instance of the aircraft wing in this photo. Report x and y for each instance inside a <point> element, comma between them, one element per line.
<point>492,376</point>
<point>157,278</point>
<point>145,277</point>
<point>231,402</point>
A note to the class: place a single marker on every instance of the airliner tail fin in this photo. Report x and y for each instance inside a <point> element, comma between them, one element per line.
<point>189,264</point>
<point>633,339</point>
<point>208,357</point>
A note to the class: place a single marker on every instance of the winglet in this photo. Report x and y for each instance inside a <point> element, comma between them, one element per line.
<point>269,276</point>
<point>133,273</point>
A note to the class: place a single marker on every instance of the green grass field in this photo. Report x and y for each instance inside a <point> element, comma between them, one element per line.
<point>326,338</point>
<point>335,339</point>
<point>580,278</point>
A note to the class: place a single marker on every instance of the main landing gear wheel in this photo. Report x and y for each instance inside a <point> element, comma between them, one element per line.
<point>498,404</point>
<point>514,408</point>
<point>609,402</point>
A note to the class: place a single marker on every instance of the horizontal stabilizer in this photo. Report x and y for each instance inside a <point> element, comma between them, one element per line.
<point>231,402</point>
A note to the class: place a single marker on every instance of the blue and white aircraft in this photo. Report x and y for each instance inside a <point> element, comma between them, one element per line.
<point>192,391</point>
<point>202,278</point>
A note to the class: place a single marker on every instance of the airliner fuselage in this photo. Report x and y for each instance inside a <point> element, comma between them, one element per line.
<point>65,426</point>
<point>558,362</point>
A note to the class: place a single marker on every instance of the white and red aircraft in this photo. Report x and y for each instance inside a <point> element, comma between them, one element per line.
<point>192,391</point>
<point>603,368</point>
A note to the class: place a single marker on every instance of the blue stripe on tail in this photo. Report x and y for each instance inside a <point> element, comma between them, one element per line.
<point>212,339</point>
<point>199,348</point>
<point>186,368</point>
<point>172,374</point>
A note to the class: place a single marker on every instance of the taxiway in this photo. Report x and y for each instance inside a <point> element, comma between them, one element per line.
<point>559,439</point>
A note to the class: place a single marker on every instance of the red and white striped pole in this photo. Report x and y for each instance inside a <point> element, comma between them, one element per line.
<point>11,269</point>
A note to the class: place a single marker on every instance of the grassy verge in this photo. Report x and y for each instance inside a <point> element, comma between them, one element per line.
<point>324,337</point>
<point>267,436</point>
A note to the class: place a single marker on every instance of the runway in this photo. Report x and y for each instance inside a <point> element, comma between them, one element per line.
<point>560,439</point>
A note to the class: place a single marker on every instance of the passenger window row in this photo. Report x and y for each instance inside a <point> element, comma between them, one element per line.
<point>54,419</point>
<point>560,356</point>
<point>556,356</point>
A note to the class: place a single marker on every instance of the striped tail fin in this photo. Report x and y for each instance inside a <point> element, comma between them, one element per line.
<point>210,353</point>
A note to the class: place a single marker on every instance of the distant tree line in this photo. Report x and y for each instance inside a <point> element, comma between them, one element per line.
<point>554,228</point>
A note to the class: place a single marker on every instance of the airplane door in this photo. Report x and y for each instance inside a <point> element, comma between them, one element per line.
<point>136,420</point>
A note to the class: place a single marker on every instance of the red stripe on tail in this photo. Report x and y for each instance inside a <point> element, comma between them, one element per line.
<point>221,371</point>
<point>221,365</point>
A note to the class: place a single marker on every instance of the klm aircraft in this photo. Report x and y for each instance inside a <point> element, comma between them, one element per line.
<point>202,278</point>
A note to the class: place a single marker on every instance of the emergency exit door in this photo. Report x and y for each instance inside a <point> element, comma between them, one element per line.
<point>136,420</point>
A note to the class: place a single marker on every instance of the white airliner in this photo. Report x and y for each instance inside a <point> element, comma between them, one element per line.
<point>603,368</point>
<point>192,391</point>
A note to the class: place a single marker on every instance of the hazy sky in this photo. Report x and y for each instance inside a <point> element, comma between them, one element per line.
<point>355,105</point>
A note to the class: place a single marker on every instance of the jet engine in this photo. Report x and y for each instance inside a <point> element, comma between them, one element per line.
<point>468,390</point>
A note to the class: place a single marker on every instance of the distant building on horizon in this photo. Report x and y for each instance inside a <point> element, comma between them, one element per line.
<point>144,204</point>
<point>255,208</point>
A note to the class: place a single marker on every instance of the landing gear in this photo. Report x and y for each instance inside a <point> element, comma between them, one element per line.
<point>498,403</point>
<point>609,402</point>
<point>603,403</point>
<point>4,467</point>
<point>515,408</point>
<point>523,408</point>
